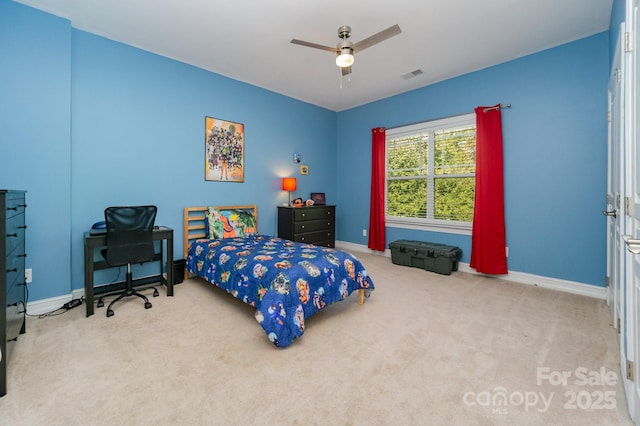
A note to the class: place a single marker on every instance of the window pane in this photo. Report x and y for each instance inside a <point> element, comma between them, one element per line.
<point>454,199</point>
<point>455,151</point>
<point>407,198</point>
<point>407,156</point>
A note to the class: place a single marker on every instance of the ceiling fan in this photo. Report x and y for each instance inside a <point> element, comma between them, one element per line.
<point>345,49</point>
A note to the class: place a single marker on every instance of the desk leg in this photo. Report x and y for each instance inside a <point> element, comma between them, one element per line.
<point>88,279</point>
<point>170,266</point>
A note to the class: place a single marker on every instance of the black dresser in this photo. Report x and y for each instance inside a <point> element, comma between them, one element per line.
<point>12,282</point>
<point>314,224</point>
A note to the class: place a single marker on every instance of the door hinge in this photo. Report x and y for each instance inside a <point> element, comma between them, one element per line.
<point>627,42</point>
<point>618,325</point>
<point>627,206</point>
<point>607,281</point>
<point>618,75</point>
<point>630,370</point>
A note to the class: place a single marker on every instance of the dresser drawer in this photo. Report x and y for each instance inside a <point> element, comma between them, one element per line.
<point>15,232</point>
<point>15,315</point>
<point>305,213</point>
<point>313,225</point>
<point>326,243</point>
<point>14,206</point>
<point>15,265</point>
<point>313,237</point>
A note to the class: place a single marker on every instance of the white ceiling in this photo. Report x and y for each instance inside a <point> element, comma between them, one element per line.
<point>249,40</point>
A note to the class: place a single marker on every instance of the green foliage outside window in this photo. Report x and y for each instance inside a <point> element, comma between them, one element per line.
<point>431,175</point>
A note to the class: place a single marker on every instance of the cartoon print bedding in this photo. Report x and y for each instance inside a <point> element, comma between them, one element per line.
<point>285,281</point>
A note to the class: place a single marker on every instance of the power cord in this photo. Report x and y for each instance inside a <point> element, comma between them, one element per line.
<point>72,304</point>
<point>64,308</point>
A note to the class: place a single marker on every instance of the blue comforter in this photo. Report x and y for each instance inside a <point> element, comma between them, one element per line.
<point>285,281</point>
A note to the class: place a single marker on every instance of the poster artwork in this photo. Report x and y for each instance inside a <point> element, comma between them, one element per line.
<point>224,150</point>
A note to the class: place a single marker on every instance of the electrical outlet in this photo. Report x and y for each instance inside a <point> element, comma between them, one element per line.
<point>28,275</point>
<point>364,232</point>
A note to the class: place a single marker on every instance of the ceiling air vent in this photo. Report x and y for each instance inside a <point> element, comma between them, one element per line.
<point>412,74</point>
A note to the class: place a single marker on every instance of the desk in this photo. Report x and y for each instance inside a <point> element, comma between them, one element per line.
<point>91,242</point>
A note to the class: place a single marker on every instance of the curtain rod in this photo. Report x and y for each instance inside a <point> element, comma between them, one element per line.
<point>499,106</point>
<point>449,116</point>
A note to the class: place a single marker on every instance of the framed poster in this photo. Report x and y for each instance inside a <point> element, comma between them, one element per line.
<point>224,150</point>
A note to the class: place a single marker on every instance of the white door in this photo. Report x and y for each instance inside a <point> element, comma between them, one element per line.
<point>632,226</point>
<point>614,180</point>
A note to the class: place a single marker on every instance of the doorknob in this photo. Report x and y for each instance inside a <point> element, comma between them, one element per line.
<point>611,213</point>
<point>633,245</point>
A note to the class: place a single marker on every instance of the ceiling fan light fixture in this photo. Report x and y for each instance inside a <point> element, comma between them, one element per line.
<point>345,57</point>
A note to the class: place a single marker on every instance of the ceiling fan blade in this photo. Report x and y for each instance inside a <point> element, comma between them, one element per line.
<point>377,38</point>
<point>345,71</point>
<point>314,45</point>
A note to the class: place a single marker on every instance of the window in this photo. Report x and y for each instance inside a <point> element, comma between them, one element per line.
<point>431,168</point>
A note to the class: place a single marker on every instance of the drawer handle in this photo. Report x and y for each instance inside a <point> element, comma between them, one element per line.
<point>15,208</point>
<point>12,235</point>
<point>22,255</point>
<point>12,270</point>
<point>302,226</point>
<point>22,227</point>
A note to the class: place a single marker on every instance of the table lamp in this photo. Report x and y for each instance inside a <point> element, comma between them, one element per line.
<point>289,184</point>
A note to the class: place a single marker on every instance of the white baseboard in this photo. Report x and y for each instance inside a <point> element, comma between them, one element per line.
<point>43,306</point>
<point>514,276</point>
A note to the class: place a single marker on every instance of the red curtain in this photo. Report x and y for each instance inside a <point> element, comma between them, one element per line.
<point>488,241</point>
<point>377,237</point>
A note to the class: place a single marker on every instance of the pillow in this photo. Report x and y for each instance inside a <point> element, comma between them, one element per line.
<point>215,226</point>
<point>229,223</point>
<point>243,222</point>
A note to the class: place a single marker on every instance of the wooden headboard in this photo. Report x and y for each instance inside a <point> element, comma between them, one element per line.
<point>195,223</point>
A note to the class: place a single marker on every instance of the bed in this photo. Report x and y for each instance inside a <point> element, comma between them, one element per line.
<point>285,281</point>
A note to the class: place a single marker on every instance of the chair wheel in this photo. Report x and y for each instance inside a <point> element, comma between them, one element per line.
<point>155,292</point>
<point>109,312</point>
<point>147,305</point>
<point>100,303</point>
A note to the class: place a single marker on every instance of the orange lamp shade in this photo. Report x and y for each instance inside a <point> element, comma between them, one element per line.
<point>289,184</point>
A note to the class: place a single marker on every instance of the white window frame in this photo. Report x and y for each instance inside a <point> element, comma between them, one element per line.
<point>437,225</point>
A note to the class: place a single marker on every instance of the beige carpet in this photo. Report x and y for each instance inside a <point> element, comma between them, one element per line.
<point>425,349</point>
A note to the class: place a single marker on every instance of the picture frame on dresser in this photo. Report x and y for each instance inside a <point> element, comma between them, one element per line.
<point>318,198</point>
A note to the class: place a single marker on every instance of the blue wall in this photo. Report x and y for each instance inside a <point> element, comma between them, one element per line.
<point>35,126</point>
<point>555,157</point>
<point>87,122</point>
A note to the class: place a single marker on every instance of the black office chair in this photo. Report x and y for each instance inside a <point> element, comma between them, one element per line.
<point>129,240</point>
